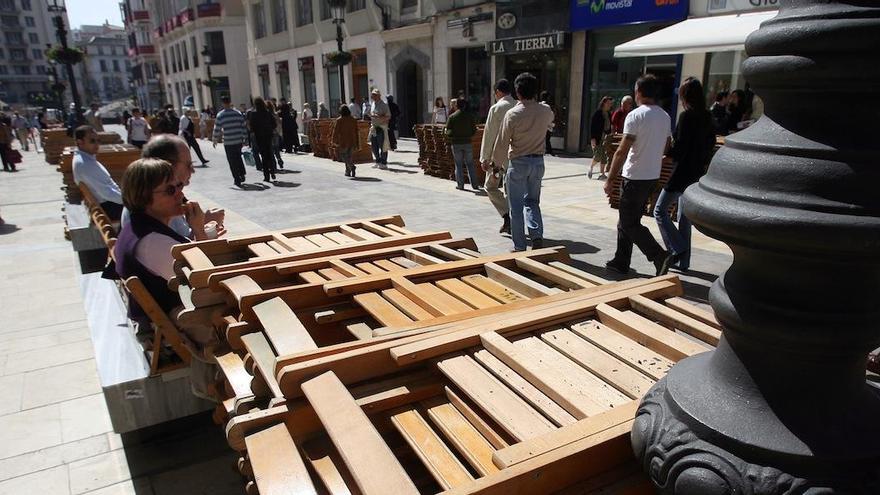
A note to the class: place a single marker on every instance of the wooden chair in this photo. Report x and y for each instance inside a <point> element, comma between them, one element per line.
<point>164,329</point>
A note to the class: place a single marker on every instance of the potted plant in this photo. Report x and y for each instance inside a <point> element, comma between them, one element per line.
<point>339,58</point>
<point>67,56</point>
<point>211,83</point>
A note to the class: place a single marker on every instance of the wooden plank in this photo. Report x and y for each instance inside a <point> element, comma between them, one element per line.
<point>501,404</point>
<point>517,282</point>
<point>233,371</point>
<point>264,359</point>
<point>662,340</point>
<point>387,265</point>
<point>383,311</point>
<point>331,274</point>
<point>485,429</point>
<point>469,443</point>
<point>525,389</point>
<point>196,259</point>
<point>493,289</point>
<point>404,262</point>
<point>553,274</point>
<point>623,348</point>
<point>360,331</point>
<point>683,306</point>
<point>285,331</point>
<point>589,277</point>
<point>470,252</point>
<point>460,290</point>
<point>346,269</point>
<point>691,326</point>
<point>300,244</point>
<point>579,392</point>
<point>566,435</point>
<point>338,237</point>
<point>619,374</point>
<point>357,234</point>
<point>321,241</point>
<point>276,463</point>
<point>312,277</point>
<point>240,286</point>
<point>396,228</point>
<point>281,241</point>
<point>406,305</point>
<point>338,313</point>
<point>369,268</point>
<point>277,246</point>
<point>369,459</point>
<point>328,465</point>
<point>446,469</point>
<point>379,230</point>
<point>443,300</point>
<point>420,257</point>
<point>450,253</point>
<point>418,295</point>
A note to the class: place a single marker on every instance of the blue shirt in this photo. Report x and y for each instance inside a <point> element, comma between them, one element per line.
<point>230,123</point>
<point>87,169</point>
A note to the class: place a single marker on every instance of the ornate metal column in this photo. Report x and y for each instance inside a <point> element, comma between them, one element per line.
<point>782,406</point>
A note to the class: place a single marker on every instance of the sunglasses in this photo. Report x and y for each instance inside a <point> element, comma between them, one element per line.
<point>170,189</point>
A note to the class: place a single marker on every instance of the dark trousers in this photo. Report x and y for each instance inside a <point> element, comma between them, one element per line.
<point>191,141</point>
<point>548,149</point>
<point>113,210</point>
<point>381,157</point>
<point>291,140</point>
<point>634,195</point>
<point>267,157</point>
<point>4,155</point>
<point>236,165</point>
<point>392,138</point>
<point>276,148</point>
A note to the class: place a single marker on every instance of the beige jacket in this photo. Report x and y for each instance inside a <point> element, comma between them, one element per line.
<point>493,127</point>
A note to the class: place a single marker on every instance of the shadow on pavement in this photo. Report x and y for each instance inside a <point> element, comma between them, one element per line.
<point>284,183</point>
<point>407,165</point>
<point>575,247</point>
<point>400,171</point>
<point>286,171</point>
<point>366,179</point>
<point>252,187</point>
<point>8,228</point>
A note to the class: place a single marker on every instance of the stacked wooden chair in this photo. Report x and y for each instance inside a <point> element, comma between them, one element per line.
<point>363,154</point>
<point>435,155</point>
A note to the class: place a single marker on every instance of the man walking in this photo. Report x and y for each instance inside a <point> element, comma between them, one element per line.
<point>380,115</point>
<point>495,172</point>
<point>638,160</point>
<point>20,126</point>
<point>230,126</point>
<point>521,141</point>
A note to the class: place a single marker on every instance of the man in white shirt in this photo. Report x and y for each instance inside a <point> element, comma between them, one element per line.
<point>355,109</point>
<point>495,172</point>
<point>638,161</point>
<point>20,126</point>
<point>138,129</point>
<point>88,170</point>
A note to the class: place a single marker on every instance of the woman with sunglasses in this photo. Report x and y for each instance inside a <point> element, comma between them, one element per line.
<point>154,196</point>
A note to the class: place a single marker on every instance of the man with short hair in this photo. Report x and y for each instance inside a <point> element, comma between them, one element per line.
<point>89,171</point>
<point>380,115</point>
<point>355,109</point>
<point>638,160</point>
<point>20,127</point>
<point>495,171</point>
<point>93,118</point>
<point>230,126</point>
<point>521,141</point>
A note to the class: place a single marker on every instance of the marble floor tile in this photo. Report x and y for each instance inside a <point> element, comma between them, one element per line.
<point>84,417</point>
<point>52,481</point>
<point>53,356</point>
<point>11,387</point>
<point>98,472</point>
<point>30,430</point>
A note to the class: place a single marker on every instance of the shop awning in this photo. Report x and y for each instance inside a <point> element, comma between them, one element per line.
<point>699,35</point>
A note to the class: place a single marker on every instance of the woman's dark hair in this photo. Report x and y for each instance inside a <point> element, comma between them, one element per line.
<point>259,104</point>
<point>691,94</point>
<point>526,86</point>
<point>604,100</point>
<point>270,106</point>
<point>141,177</point>
<point>440,100</point>
<point>344,111</point>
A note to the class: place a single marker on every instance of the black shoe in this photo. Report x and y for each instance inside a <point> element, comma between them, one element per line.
<point>347,173</point>
<point>205,163</point>
<point>505,227</point>
<point>280,164</point>
<point>237,182</point>
<point>273,176</point>
<point>460,188</point>
<point>537,243</point>
<point>352,171</point>
<point>662,262</point>
<point>611,265</point>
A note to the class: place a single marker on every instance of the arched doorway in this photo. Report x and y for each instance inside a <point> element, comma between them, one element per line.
<point>410,84</point>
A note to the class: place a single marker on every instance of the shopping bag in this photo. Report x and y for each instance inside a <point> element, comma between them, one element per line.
<point>248,156</point>
<point>13,156</point>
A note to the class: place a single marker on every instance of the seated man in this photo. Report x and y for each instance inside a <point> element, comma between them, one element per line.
<point>88,170</point>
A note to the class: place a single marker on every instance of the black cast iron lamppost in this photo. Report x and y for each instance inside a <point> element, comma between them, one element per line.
<point>55,85</point>
<point>782,405</point>
<point>337,9</point>
<point>206,57</point>
<point>58,7</point>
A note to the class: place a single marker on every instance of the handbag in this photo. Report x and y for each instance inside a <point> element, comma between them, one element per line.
<point>13,156</point>
<point>248,156</point>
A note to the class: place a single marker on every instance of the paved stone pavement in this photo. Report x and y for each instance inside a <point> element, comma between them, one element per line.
<point>55,434</point>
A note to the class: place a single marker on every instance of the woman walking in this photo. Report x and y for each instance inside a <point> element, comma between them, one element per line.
<point>440,115</point>
<point>345,137</point>
<point>289,129</point>
<point>186,130</point>
<point>600,133</point>
<point>276,135</point>
<point>460,130</point>
<point>6,138</point>
<point>691,150</point>
<point>262,124</point>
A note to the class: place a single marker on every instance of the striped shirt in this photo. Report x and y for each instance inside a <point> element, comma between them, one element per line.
<point>230,123</point>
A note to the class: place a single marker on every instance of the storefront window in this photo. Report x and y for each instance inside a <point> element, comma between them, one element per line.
<point>309,90</point>
<point>723,73</point>
<point>284,84</point>
<point>471,75</point>
<point>333,87</point>
<point>553,71</point>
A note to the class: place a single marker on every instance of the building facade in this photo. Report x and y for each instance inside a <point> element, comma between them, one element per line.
<point>104,72</point>
<point>145,74</point>
<point>27,28</point>
<point>191,32</point>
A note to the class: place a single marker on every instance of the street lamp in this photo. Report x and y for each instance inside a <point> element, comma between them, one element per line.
<point>206,57</point>
<point>58,7</point>
<point>337,10</point>
<point>55,85</point>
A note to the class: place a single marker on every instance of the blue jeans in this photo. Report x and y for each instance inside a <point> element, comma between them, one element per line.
<point>677,239</point>
<point>523,178</point>
<point>376,142</point>
<point>463,154</point>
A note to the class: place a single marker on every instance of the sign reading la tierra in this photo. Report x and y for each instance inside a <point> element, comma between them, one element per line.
<point>535,43</point>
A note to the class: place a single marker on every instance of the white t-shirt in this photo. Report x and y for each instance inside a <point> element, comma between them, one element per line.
<point>138,129</point>
<point>650,125</point>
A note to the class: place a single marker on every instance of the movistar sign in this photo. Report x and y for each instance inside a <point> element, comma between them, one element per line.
<point>592,14</point>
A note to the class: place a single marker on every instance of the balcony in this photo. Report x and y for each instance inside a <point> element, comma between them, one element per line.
<point>186,16</point>
<point>159,32</point>
<point>210,10</point>
<point>141,50</point>
<point>140,15</point>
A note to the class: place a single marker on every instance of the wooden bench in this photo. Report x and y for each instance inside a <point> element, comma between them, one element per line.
<point>101,221</point>
<point>528,400</point>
